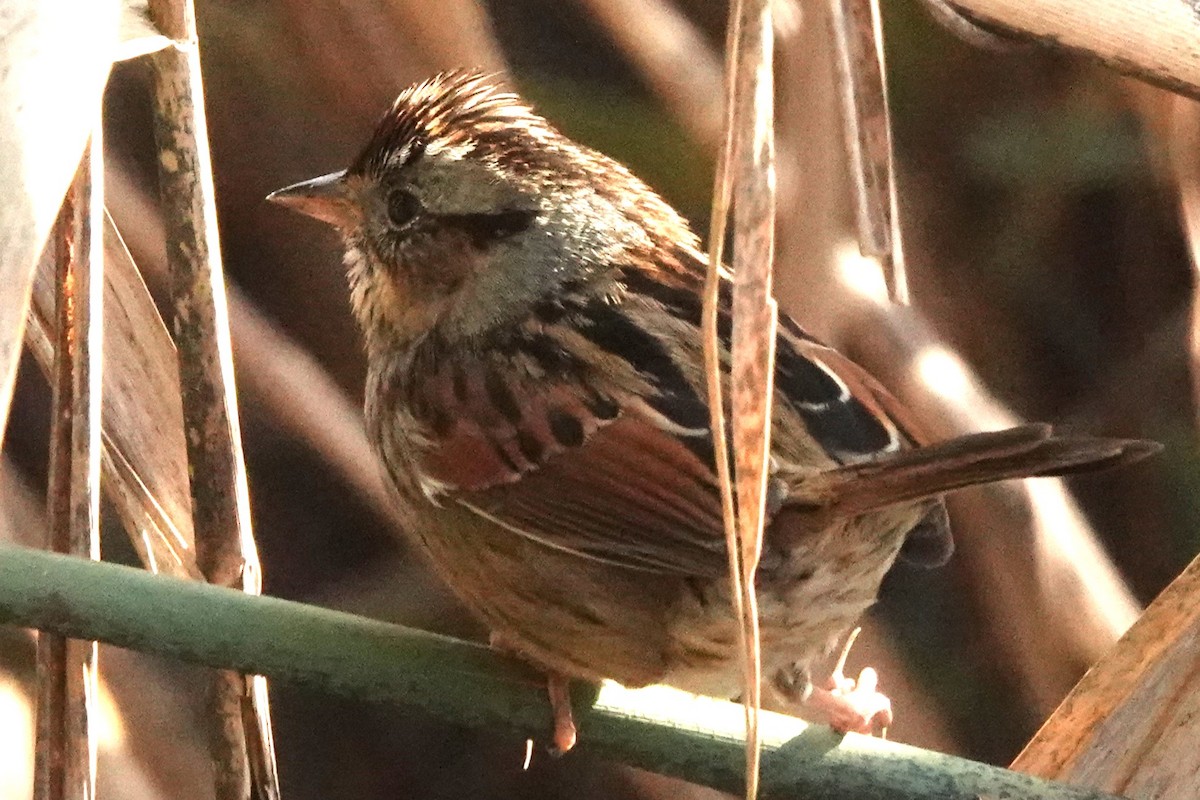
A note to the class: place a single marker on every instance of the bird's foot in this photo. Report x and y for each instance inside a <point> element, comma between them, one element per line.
<point>558,689</point>
<point>849,705</point>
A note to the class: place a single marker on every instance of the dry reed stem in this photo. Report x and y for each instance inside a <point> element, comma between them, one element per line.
<point>65,752</point>
<point>722,196</point>
<point>866,124</point>
<point>225,550</point>
<point>1154,40</point>
<point>1132,723</point>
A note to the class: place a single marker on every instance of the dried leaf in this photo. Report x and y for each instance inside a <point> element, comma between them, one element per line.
<point>144,460</point>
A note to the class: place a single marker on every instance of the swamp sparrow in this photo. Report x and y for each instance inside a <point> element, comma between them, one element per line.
<point>535,389</point>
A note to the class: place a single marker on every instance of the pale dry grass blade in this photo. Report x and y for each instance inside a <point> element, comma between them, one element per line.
<point>675,58</point>
<point>862,86</point>
<point>755,317</point>
<point>48,105</point>
<point>722,198</point>
<point>65,752</point>
<point>244,759</point>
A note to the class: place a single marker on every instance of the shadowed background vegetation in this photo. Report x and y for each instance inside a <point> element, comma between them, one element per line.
<point>1044,249</point>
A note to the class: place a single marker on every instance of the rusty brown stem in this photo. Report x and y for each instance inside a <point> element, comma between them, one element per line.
<point>862,88</point>
<point>225,549</point>
<point>745,168</point>
<point>65,752</point>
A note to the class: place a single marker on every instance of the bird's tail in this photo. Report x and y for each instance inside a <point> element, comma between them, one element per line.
<point>1026,451</point>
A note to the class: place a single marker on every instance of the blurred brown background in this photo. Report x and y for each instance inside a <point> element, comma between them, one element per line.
<point>1040,212</point>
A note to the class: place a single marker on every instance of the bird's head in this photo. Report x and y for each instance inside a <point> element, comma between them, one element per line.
<point>465,209</point>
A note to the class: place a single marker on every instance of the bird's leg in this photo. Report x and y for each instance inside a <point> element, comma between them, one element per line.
<point>558,689</point>
<point>852,705</point>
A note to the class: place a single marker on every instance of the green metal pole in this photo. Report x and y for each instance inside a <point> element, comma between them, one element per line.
<point>663,730</point>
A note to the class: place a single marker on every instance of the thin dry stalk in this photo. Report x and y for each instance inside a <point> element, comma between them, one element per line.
<point>746,170</point>
<point>225,549</point>
<point>862,85</point>
<point>65,753</point>
<point>48,106</point>
<point>722,197</point>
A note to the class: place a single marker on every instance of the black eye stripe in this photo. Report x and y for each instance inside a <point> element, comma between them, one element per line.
<point>484,229</point>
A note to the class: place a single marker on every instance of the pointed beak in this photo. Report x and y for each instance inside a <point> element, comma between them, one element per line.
<point>325,198</point>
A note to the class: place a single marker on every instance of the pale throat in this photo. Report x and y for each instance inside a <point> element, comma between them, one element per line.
<point>388,315</point>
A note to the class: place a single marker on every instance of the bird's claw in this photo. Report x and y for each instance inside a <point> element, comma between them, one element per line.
<point>853,706</point>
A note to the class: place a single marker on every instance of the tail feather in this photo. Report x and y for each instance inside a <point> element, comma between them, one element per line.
<point>1021,452</point>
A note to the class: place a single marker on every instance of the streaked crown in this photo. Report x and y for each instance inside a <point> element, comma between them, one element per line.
<point>459,111</point>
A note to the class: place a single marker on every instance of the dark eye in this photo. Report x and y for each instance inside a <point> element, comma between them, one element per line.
<point>402,206</point>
